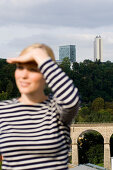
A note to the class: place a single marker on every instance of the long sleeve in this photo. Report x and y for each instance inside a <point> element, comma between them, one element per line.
<point>65,94</point>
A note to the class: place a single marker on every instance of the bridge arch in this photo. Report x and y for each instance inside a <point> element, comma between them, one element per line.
<point>85,131</point>
<point>91,135</point>
<point>105,129</point>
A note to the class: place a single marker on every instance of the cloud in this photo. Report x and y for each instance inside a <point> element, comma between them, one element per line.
<point>54,37</point>
<point>56,22</point>
<point>79,13</point>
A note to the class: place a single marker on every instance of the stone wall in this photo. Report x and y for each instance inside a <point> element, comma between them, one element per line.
<point>105,129</point>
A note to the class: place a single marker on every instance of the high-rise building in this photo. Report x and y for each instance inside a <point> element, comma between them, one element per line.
<point>98,49</point>
<point>67,51</point>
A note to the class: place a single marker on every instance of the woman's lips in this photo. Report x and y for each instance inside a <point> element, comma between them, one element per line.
<point>24,84</point>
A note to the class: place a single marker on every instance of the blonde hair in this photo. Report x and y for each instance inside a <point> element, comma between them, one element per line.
<point>33,46</point>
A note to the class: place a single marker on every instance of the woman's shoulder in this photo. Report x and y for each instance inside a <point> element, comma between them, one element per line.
<point>8,102</point>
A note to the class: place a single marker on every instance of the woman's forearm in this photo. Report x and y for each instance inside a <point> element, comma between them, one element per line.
<point>65,93</point>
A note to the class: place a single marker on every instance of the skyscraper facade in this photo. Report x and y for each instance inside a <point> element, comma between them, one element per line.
<point>67,51</point>
<point>98,49</point>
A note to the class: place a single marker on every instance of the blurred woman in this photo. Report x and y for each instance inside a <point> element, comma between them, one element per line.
<point>34,128</point>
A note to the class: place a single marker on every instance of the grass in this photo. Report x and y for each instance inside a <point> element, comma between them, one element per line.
<point>100,164</point>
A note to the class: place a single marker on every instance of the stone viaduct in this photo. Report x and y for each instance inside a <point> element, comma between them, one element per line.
<point>105,129</point>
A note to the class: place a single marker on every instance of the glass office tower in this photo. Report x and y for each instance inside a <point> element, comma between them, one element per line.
<point>67,51</point>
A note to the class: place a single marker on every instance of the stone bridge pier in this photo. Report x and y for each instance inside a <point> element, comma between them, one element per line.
<point>105,129</point>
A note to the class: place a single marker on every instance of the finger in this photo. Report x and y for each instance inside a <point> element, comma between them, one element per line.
<point>20,59</point>
<point>12,60</point>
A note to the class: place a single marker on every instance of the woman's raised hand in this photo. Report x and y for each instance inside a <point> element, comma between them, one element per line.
<point>37,55</point>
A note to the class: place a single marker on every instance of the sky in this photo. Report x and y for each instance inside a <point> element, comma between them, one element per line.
<point>56,23</point>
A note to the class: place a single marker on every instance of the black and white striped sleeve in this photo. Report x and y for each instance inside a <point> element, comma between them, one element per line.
<point>65,94</point>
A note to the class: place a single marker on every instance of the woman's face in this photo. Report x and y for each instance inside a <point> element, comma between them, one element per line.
<point>28,78</point>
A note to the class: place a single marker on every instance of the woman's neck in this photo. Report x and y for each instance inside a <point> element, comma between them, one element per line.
<point>32,99</point>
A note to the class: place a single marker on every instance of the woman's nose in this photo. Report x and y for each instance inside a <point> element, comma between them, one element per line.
<point>25,73</point>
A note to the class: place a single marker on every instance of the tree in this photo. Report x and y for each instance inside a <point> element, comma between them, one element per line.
<point>98,104</point>
<point>66,65</point>
<point>108,105</point>
<point>3,95</point>
<point>91,148</point>
<point>83,115</point>
<point>9,88</point>
<point>95,154</point>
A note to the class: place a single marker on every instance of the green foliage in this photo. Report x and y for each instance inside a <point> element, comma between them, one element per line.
<point>93,79</point>
<point>8,87</point>
<point>100,164</point>
<point>66,63</point>
<point>3,95</point>
<point>91,148</point>
<point>95,154</point>
<point>98,104</point>
<point>104,116</point>
<point>83,115</point>
<point>109,105</point>
<point>98,111</point>
<point>66,66</point>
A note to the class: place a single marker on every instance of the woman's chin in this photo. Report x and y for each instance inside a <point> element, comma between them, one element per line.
<point>24,91</point>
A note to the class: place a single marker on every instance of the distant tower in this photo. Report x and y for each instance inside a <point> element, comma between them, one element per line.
<point>98,49</point>
<point>67,51</point>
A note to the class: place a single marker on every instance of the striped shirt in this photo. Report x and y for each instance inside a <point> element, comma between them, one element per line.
<point>36,137</point>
